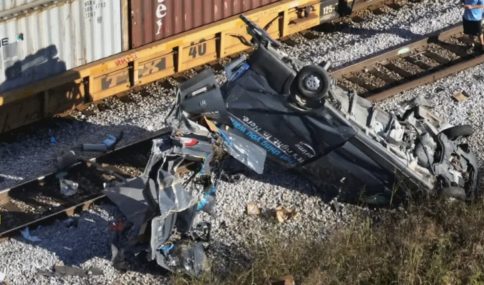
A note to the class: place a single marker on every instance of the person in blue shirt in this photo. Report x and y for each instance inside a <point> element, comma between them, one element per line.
<point>472,19</point>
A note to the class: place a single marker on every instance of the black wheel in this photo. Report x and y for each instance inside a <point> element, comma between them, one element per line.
<point>458,131</point>
<point>312,82</point>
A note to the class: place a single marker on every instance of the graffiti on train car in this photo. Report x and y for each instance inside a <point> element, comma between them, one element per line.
<point>152,67</point>
<point>114,79</point>
<point>161,12</point>
<point>126,59</point>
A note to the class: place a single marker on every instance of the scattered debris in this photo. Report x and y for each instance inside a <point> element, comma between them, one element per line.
<point>26,235</point>
<point>107,144</point>
<point>66,159</point>
<point>253,209</point>
<point>284,214</point>
<point>68,187</point>
<point>161,202</point>
<point>320,131</point>
<point>460,96</point>
<point>286,280</point>
<point>207,202</point>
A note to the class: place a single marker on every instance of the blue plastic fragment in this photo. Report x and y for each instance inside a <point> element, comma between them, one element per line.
<point>207,199</point>
<point>237,74</point>
<point>167,248</point>
<point>110,141</point>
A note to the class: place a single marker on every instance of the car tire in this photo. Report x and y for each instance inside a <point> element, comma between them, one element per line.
<point>312,82</point>
<point>454,192</point>
<point>458,131</point>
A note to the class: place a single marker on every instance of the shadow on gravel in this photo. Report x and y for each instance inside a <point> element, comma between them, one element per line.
<point>368,33</point>
<point>278,176</point>
<point>74,240</point>
<point>85,238</point>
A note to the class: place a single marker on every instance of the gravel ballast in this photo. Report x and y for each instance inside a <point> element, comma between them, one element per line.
<point>86,245</point>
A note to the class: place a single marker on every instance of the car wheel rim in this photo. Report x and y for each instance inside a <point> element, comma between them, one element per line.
<point>312,83</point>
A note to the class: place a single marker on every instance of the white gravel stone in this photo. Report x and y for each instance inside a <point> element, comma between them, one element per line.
<point>378,33</point>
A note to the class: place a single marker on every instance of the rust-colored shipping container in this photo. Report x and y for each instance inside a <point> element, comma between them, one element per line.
<point>153,20</point>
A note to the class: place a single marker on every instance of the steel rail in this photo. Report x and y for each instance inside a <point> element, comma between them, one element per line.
<point>68,206</point>
<point>420,47</point>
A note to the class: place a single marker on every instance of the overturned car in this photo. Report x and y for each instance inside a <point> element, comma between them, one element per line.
<point>273,107</point>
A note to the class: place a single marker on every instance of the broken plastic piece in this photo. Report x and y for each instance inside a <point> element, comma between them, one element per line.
<point>26,235</point>
<point>68,187</point>
<point>107,144</point>
<point>2,277</point>
<point>110,141</point>
<point>167,248</point>
<point>192,259</point>
<point>248,153</point>
<point>207,201</point>
<point>201,232</point>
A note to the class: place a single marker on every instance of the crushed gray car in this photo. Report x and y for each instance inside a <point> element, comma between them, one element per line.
<point>275,107</point>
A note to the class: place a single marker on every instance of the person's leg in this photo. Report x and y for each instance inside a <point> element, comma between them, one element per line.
<point>468,33</point>
<point>481,35</point>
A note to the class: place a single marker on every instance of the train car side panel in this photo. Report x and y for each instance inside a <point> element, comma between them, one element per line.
<point>55,39</point>
<point>156,20</point>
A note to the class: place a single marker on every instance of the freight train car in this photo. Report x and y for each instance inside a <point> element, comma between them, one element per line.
<point>59,54</point>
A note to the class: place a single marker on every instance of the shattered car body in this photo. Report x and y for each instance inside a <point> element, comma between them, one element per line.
<point>274,107</point>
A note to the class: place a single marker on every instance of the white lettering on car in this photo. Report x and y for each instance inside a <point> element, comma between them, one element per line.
<point>160,14</point>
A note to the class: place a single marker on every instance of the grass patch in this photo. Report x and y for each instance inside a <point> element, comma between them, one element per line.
<point>437,242</point>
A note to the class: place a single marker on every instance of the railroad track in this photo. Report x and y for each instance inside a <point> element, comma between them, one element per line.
<point>409,65</point>
<point>39,200</point>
